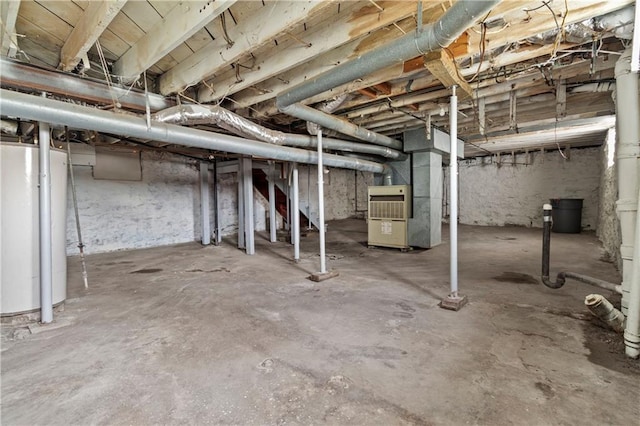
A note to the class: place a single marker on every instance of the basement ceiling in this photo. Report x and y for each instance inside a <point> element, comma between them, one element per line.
<point>527,65</point>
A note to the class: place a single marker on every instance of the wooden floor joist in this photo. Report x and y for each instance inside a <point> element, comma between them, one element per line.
<point>441,65</point>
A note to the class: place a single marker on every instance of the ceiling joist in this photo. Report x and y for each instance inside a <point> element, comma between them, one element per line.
<point>95,19</point>
<point>349,35</point>
<point>9,15</point>
<point>249,34</point>
<point>183,21</point>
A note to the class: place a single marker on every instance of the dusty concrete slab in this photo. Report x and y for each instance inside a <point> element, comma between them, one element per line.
<point>192,334</point>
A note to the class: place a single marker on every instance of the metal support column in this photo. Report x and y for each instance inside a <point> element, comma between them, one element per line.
<point>216,221</point>
<point>46,264</point>
<point>454,301</point>
<point>323,260</point>
<point>272,202</point>
<point>296,214</point>
<point>247,191</point>
<point>241,227</point>
<point>204,203</point>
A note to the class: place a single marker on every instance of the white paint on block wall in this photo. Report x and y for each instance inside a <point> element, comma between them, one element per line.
<point>161,209</point>
<point>164,207</point>
<point>513,194</point>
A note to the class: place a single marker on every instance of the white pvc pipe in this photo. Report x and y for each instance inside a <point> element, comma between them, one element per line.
<point>272,202</point>
<point>296,214</point>
<point>46,264</point>
<point>635,45</point>
<point>204,203</point>
<point>323,261</point>
<point>453,191</point>
<point>632,329</point>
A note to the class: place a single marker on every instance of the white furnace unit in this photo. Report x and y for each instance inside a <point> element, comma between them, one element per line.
<point>389,211</point>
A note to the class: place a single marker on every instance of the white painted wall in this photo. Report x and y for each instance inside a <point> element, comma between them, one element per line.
<point>343,195</point>
<point>608,224</point>
<point>513,194</point>
<point>164,208</point>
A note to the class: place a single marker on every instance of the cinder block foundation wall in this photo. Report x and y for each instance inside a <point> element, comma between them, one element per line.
<point>345,192</point>
<point>164,207</point>
<point>608,223</point>
<point>513,192</point>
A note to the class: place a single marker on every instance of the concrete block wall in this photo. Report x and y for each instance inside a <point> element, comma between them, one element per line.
<point>513,194</point>
<point>164,207</point>
<point>161,209</point>
<point>608,230</point>
<point>345,196</point>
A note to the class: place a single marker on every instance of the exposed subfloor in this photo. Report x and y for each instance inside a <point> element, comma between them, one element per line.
<point>192,334</point>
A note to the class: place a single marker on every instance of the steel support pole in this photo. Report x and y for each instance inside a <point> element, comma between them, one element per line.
<point>247,191</point>
<point>323,261</point>
<point>453,191</point>
<point>216,223</point>
<point>272,202</point>
<point>204,203</point>
<point>241,228</point>
<point>287,191</point>
<point>296,214</point>
<point>46,264</point>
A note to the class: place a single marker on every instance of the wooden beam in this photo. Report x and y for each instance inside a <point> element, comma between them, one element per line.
<point>441,65</point>
<point>251,33</point>
<point>368,92</point>
<point>9,15</point>
<point>384,88</point>
<point>95,19</point>
<point>413,64</point>
<point>561,99</point>
<point>458,48</point>
<point>348,36</point>
<point>183,21</point>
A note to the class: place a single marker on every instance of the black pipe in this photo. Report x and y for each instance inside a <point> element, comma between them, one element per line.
<point>562,276</point>
<point>546,250</point>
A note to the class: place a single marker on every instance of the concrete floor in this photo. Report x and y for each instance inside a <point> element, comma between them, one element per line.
<point>208,335</point>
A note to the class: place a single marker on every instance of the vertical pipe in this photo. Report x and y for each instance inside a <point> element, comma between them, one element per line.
<point>204,203</point>
<point>632,329</point>
<point>453,190</point>
<point>296,214</point>
<point>323,261</point>
<point>46,271</point>
<point>627,154</point>
<point>247,174</point>
<point>546,239</point>
<point>272,202</point>
<point>291,207</point>
<point>85,277</point>
<point>216,223</point>
<point>241,239</point>
<point>285,173</point>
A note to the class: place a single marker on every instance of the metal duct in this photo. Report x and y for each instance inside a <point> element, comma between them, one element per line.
<point>28,77</point>
<point>328,107</point>
<point>618,23</point>
<point>213,114</point>
<point>456,20</point>
<point>56,112</point>
<point>9,127</point>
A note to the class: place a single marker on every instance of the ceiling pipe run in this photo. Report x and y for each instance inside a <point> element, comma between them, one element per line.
<point>214,114</point>
<point>81,117</point>
<point>454,22</point>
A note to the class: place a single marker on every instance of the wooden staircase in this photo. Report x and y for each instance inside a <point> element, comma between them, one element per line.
<point>261,183</point>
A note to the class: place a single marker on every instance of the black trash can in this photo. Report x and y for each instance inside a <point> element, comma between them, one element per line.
<point>566,215</point>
